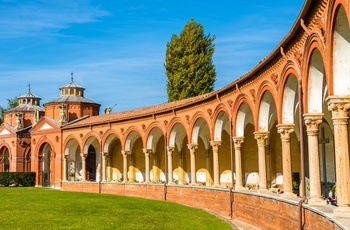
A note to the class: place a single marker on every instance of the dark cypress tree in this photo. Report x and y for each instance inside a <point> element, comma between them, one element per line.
<point>188,63</point>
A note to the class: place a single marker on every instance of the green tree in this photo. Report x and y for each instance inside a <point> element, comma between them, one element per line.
<point>188,63</point>
<point>12,103</point>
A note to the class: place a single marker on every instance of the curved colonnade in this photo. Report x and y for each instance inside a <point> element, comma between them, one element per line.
<point>246,135</point>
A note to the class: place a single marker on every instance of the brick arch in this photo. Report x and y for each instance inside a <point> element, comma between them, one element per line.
<point>172,124</point>
<point>70,138</point>
<point>312,43</point>
<point>217,124</point>
<point>241,99</point>
<point>263,109</point>
<point>152,134</point>
<point>105,139</point>
<point>197,115</point>
<point>40,142</point>
<point>126,144</point>
<point>288,70</point>
<point>87,138</point>
<point>338,56</point>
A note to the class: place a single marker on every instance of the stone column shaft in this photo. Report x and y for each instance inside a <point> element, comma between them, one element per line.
<point>237,141</point>
<point>83,156</point>
<point>147,153</point>
<point>104,156</point>
<point>192,148</point>
<point>125,165</point>
<point>339,106</point>
<point>170,164</point>
<point>312,122</point>
<point>65,167</point>
<point>285,130</point>
<point>215,145</point>
<point>261,140</point>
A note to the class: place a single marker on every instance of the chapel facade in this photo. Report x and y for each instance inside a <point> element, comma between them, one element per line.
<point>284,124</point>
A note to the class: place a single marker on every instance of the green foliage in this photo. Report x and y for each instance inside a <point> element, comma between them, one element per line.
<point>15,179</point>
<point>12,103</point>
<point>188,63</point>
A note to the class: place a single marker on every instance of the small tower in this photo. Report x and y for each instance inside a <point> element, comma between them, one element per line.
<point>71,104</point>
<point>27,113</point>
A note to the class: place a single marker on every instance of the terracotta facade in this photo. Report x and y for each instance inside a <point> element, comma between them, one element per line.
<point>246,135</point>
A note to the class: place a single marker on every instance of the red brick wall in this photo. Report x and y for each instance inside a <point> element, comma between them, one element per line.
<point>260,211</point>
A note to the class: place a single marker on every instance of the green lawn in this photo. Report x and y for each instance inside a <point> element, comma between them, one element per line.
<point>43,208</point>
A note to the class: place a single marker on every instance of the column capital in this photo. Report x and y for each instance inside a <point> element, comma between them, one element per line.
<point>125,152</point>
<point>215,143</point>
<point>65,156</point>
<point>261,136</point>
<point>285,130</point>
<point>105,154</point>
<point>312,121</point>
<point>146,151</point>
<point>192,146</point>
<point>83,155</point>
<point>170,148</point>
<point>237,141</point>
<point>339,106</point>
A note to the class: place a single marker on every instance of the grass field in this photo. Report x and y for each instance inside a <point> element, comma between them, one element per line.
<point>43,208</point>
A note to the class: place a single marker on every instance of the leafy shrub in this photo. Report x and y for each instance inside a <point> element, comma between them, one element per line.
<point>23,179</point>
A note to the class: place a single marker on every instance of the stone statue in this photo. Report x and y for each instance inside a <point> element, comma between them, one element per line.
<point>63,109</point>
<point>108,110</point>
<point>36,116</point>
<point>18,120</point>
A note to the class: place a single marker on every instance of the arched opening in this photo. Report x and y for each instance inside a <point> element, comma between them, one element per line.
<point>45,165</point>
<point>5,160</point>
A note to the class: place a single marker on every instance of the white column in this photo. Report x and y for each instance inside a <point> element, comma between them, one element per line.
<point>170,164</point>
<point>237,141</point>
<point>192,148</point>
<point>104,166</point>
<point>147,171</point>
<point>125,165</point>
<point>65,167</point>
<point>215,145</point>
<point>83,157</point>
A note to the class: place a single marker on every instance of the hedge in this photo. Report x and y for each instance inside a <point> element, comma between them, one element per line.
<point>15,179</point>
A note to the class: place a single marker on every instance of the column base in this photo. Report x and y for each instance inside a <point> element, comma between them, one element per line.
<point>262,190</point>
<point>289,195</point>
<point>194,184</point>
<point>342,211</point>
<point>316,201</point>
<point>240,187</point>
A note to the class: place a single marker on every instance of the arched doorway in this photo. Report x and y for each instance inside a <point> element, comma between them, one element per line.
<point>91,164</point>
<point>4,160</point>
<point>45,165</point>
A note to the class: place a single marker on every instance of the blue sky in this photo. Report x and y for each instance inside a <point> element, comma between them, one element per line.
<point>116,49</point>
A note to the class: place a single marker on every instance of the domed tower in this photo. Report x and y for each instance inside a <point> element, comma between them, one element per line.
<point>71,104</point>
<point>27,113</point>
